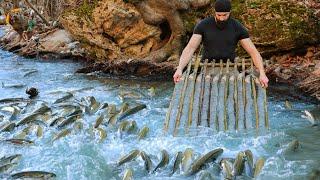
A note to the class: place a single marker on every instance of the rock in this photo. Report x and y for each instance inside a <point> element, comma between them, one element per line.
<point>56,41</point>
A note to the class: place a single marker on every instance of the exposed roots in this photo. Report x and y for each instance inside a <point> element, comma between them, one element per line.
<point>311,85</point>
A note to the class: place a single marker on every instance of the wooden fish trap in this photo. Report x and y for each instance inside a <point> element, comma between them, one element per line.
<point>222,96</point>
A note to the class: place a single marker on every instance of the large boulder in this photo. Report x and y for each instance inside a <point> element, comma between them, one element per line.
<point>113,29</point>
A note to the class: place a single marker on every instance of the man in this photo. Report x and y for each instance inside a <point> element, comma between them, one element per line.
<point>220,35</point>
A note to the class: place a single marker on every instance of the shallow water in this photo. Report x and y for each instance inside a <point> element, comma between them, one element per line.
<point>80,156</point>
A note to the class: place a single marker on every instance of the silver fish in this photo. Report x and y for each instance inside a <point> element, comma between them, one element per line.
<point>164,160</point>
<point>147,161</point>
<point>210,156</point>
<point>177,162</point>
<point>33,175</point>
<point>132,155</point>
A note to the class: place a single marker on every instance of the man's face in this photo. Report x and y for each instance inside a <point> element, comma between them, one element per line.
<point>222,16</point>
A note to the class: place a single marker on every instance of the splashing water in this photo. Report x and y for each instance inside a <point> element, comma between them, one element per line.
<point>79,156</point>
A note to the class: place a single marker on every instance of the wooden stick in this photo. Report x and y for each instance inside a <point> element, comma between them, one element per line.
<point>181,100</point>
<point>167,120</point>
<point>254,92</point>
<point>266,116</point>
<point>236,94</point>
<point>225,97</point>
<point>221,66</point>
<point>228,64</point>
<point>244,92</point>
<point>203,75</point>
<point>194,77</point>
<point>209,114</point>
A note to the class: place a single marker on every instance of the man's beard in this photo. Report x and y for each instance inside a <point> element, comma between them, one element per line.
<point>222,24</point>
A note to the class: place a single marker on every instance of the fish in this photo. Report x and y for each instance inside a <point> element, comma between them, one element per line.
<point>10,159</point>
<point>287,105</point>
<point>128,175</point>
<point>128,95</point>
<point>14,110</point>
<point>143,132</point>
<point>75,112</point>
<point>94,105</point>
<point>68,121</point>
<point>9,100</point>
<point>8,127</point>
<point>313,116</point>
<point>12,85</point>
<point>248,163</point>
<point>7,167</point>
<point>19,141</point>
<point>132,127</point>
<point>33,175</point>
<point>147,161</point>
<point>187,159</point>
<point>104,105</point>
<point>258,167</point>
<point>56,121</point>
<point>164,160</point>
<point>39,131</point>
<point>132,155</point>
<point>293,146</point>
<point>124,107</point>
<point>67,109</point>
<point>28,119</point>
<point>112,109</point>
<point>99,121</point>
<point>208,157</point>
<point>102,134</point>
<point>177,162</point>
<point>29,73</point>
<point>238,165</point>
<point>113,119</point>
<point>122,127</point>
<point>42,110</point>
<point>226,169</point>
<point>81,89</point>
<point>61,134</point>
<point>23,133</point>
<point>152,91</point>
<point>64,98</point>
<point>131,111</point>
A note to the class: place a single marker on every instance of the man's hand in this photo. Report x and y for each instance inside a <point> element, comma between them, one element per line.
<point>177,75</point>
<point>263,80</point>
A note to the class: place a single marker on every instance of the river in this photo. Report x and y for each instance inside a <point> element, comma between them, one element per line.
<point>81,156</point>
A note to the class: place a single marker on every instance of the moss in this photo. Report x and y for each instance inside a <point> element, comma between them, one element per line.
<point>86,9</point>
<point>190,18</point>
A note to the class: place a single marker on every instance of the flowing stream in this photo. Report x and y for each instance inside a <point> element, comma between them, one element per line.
<point>81,156</point>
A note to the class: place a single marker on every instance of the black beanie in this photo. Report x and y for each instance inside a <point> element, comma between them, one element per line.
<point>222,6</point>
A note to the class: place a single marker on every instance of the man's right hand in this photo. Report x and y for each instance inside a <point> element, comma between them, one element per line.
<point>177,75</point>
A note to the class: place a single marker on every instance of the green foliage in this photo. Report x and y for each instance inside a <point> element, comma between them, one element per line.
<point>86,9</point>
